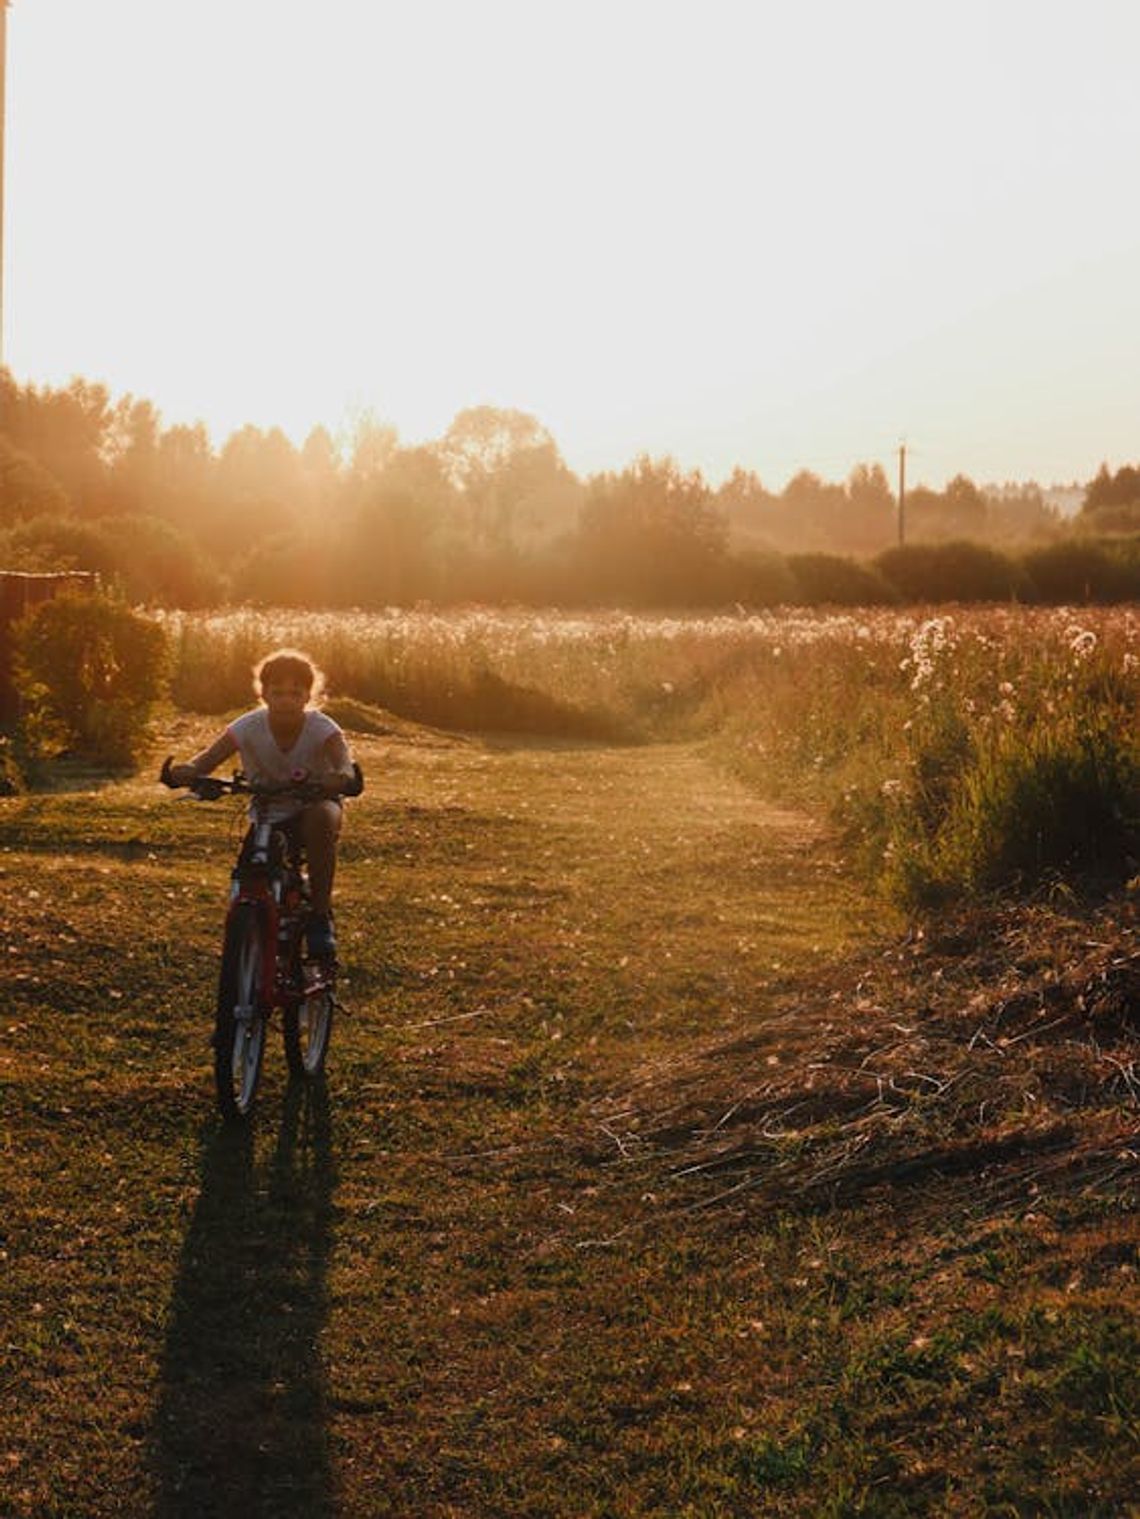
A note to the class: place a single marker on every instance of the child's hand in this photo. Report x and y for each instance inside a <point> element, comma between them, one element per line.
<point>182,775</point>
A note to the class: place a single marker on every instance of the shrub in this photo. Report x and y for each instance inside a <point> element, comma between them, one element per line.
<point>960,571</point>
<point>1044,786</point>
<point>27,489</point>
<point>760,578</point>
<point>290,569</point>
<point>832,580</point>
<point>11,778</point>
<point>156,562</point>
<point>88,672</point>
<point>1062,802</point>
<point>1125,554</point>
<point>51,543</point>
<point>1075,571</point>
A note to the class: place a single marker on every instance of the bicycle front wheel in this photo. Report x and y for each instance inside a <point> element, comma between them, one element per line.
<point>239,1030</point>
<point>308,1027</point>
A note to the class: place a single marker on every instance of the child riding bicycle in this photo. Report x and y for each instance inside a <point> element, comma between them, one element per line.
<point>288,738</point>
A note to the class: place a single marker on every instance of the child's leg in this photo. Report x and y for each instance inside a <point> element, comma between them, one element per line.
<point>320,830</point>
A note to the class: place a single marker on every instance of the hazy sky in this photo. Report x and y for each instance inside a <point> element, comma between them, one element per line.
<point>775,233</point>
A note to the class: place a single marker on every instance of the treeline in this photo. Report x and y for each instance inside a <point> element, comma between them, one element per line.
<point>490,512</point>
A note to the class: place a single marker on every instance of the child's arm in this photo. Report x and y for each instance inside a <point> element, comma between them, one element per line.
<point>209,759</point>
<point>335,753</point>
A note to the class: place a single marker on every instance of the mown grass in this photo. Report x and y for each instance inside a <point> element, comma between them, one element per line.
<point>659,1170</point>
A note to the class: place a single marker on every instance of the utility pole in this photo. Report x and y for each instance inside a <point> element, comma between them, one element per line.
<point>902,494</point>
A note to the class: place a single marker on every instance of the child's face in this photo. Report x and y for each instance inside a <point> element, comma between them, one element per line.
<point>285,695</point>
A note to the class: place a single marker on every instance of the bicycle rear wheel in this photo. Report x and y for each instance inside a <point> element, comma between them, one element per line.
<point>308,1027</point>
<point>239,1029</point>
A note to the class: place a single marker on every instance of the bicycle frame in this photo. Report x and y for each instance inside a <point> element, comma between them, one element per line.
<point>263,967</point>
<point>269,877</point>
<point>268,884</point>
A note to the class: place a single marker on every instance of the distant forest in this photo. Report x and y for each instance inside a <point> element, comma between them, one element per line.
<point>490,513</point>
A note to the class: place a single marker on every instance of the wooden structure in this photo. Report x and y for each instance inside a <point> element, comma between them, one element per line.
<point>19,593</point>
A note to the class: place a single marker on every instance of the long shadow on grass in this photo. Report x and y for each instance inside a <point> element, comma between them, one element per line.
<point>241,1425</point>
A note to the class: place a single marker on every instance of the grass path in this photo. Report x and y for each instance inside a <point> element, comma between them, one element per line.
<point>472,1276</point>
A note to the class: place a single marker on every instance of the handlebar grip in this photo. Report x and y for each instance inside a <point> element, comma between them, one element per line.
<point>356,785</point>
<point>164,773</point>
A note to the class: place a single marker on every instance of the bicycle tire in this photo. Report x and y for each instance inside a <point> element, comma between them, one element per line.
<point>308,1028</point>
<point>240,1025</point>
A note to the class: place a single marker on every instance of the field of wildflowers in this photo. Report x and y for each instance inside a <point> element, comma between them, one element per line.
<point>975,750</point>
<point>659,1170</point>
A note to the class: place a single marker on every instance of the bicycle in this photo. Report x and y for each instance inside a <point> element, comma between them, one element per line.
<point>264,966</point>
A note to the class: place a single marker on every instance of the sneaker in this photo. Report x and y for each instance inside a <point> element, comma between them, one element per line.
<point>320,937</point>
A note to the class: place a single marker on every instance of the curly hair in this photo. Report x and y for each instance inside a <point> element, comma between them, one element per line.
<point>290,662</point>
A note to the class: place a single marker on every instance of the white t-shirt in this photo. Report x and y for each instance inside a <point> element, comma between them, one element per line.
<point>263,759</point>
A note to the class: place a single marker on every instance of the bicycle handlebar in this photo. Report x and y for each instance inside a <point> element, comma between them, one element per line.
<point>208,788</point>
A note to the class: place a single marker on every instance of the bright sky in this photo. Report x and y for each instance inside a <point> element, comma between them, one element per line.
<point>752,232</point>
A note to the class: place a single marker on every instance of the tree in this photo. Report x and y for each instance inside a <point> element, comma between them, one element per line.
<point>66,431</point>
<point>923,513</point>
<point>870,522</point>
<point>1018,513</point>
<point>965,508</point>
<point>186,476</point>
<point>653,536</point>
<point>373,443</point>
<point>1112,502</point>
<point>132,455</point>
<point>1120,489</point>
<point>320,469</point>
<point>749,510</point>
<point>512,481</point>
<point>260,478</point>
<point>394,549</point>
<point>27,489</point>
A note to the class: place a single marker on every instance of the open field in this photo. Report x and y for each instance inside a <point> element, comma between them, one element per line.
<point>660,1170</point>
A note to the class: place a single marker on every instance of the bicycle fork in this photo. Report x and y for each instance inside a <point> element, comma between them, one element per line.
<point>266,915</point>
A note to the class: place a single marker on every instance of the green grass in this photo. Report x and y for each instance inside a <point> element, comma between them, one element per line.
<point>658,1171</point>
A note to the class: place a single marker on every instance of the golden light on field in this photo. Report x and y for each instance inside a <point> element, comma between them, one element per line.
<point>740,233</point>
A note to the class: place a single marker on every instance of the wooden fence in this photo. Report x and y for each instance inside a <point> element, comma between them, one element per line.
<point>19,593</point>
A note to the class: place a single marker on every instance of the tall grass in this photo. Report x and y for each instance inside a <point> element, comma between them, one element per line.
<point>981,750</point>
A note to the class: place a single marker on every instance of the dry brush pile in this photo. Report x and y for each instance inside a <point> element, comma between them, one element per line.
<point>980,1063</point>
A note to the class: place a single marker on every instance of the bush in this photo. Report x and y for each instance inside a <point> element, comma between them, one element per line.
<point>1075,572</point>
<point>155,562</point>
<point>27,489</point>
<point>1065,803</point>
<point>961,571</point>
<point>290,569</point>
<point>832,580</point>
<point>48,544</point>
<point>759,578</point>
<point>1125,554</point>
<point>1014,808</point>
<point>11,777</point>
<point>88,672</point>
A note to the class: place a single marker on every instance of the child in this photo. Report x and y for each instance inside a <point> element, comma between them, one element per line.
<point>285,739</point>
